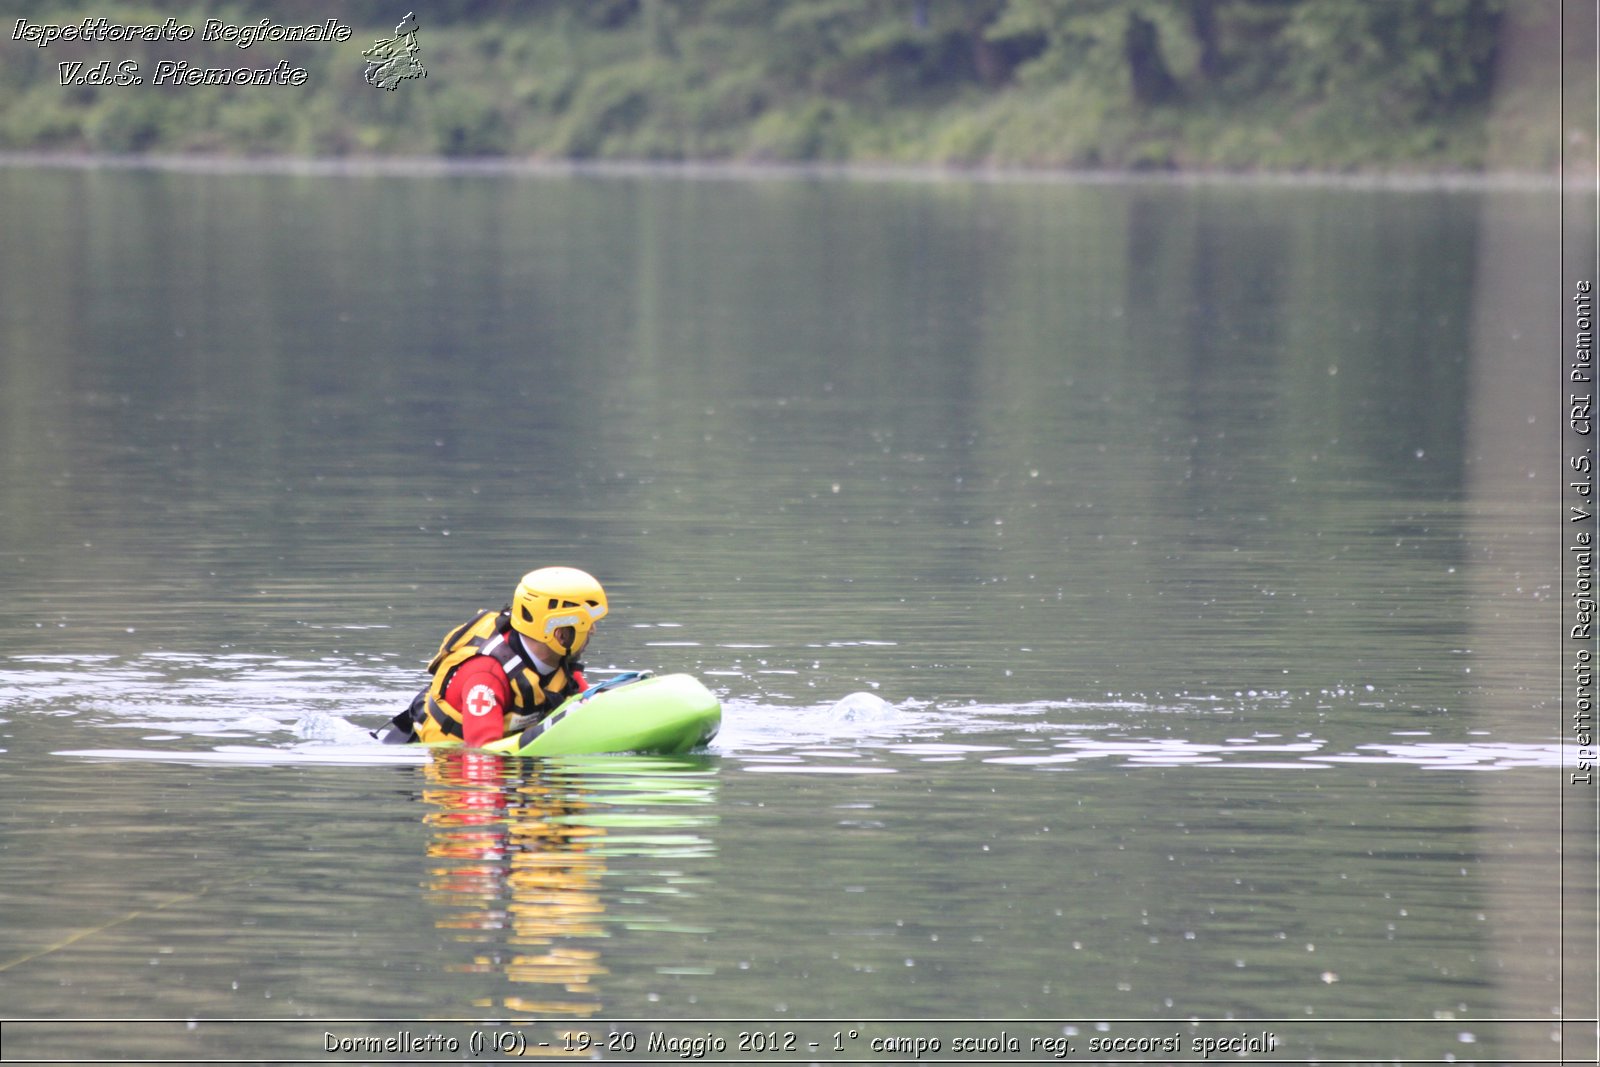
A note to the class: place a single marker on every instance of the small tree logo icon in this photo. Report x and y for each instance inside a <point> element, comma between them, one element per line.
<point>392,61</point>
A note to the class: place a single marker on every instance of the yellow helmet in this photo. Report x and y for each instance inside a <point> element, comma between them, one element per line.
<point>553,597</point>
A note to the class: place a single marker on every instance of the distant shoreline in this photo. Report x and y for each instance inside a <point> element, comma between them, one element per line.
<point>715,170</point>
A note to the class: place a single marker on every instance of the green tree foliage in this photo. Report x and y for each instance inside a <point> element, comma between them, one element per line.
<point>1422,56</point>
<point>1198,83</point>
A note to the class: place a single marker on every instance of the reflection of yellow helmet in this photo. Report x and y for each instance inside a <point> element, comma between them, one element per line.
<point>552,597</point>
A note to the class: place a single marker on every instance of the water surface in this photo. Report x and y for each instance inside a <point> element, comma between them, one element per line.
<point>1135,609</point>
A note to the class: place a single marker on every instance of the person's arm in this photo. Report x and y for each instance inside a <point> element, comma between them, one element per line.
<point>479,691</point>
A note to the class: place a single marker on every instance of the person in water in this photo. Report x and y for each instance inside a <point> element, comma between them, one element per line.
<point>501,672</point>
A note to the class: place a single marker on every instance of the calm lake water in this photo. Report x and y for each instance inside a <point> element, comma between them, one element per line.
<point>1136,608</point>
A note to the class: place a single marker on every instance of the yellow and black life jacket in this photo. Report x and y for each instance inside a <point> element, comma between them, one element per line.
<point>533,695</point>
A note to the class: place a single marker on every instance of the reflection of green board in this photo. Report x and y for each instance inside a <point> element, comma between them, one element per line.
<point>670,713</point>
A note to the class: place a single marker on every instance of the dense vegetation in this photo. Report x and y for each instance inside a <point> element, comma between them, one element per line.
<point>1203,84</point>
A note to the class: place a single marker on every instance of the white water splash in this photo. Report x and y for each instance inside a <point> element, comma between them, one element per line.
<point>322,711</point>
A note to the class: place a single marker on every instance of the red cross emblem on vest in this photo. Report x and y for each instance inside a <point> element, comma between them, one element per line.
<point>481,701</point>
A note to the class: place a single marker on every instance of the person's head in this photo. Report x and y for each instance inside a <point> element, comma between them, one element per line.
<point>558,607</point>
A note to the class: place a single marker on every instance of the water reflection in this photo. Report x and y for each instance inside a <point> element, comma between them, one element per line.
<point>520,854</point>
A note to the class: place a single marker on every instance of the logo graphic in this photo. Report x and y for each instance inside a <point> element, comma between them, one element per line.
<point>481,701</point>
<point>392,61</point>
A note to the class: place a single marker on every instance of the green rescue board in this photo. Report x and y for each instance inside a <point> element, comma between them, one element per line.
<point>658,714</point>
